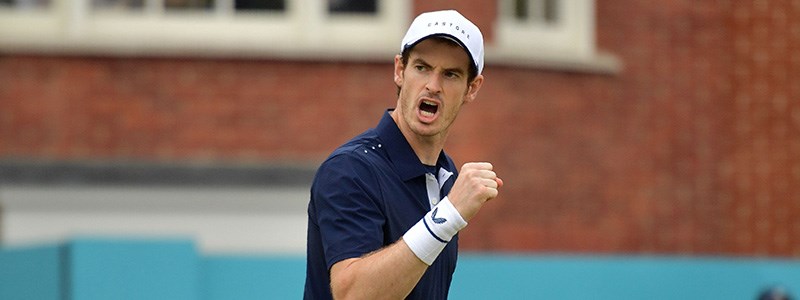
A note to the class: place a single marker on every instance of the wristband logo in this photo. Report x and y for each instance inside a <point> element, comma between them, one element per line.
<point>435,219</point>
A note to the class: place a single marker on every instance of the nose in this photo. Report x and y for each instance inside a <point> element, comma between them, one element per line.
<point>434,84</point>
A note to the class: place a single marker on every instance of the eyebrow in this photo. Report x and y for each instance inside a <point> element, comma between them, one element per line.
<point>458,70</point>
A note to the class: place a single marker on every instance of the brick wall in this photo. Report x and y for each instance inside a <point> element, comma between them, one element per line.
<point>763,179</point>
<point>188,109</point>
<point>694,148</point>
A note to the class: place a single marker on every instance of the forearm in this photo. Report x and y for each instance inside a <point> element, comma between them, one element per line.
<point>395,270</point>
<point>389,273</point>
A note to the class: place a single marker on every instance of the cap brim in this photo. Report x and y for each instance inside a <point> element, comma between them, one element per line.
<point>447,37</point>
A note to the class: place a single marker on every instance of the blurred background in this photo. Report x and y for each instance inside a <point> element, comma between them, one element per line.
<point>622,129</point>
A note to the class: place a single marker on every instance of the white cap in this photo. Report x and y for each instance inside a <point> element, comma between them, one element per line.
<point>450,24</point>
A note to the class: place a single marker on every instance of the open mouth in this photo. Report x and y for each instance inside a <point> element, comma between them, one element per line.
<point>428,108</point>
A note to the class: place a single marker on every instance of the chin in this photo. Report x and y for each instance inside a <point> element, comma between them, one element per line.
<point>427,130</point>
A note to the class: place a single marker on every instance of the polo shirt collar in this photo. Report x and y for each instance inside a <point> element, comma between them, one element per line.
<point>401,155</point>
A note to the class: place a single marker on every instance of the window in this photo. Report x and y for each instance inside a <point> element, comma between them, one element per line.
<point>290,28</point>
<point>338,7</point>
<point>536,12</point>
<point>118,4</point>
<point>25,4</point>
<point>255,5</point>
<point>178,5</point>
<point>557,33</point>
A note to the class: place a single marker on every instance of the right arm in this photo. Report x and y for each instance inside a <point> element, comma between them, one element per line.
<point>392,272</point>
<point>388,273</point>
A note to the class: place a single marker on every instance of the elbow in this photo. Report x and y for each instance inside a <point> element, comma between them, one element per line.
<point>343,279</point>
<point>342,287</point>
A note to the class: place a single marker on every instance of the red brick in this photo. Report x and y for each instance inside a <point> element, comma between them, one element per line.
<point>691,149</point>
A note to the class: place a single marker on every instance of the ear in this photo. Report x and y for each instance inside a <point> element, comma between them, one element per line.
<point>473,88</point>
<point>398,70</point>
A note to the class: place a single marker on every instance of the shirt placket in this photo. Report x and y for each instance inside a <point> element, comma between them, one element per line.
<point>434,185</point>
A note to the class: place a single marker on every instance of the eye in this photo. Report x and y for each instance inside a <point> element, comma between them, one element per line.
<point>420,67</point>
<point>452,75</point>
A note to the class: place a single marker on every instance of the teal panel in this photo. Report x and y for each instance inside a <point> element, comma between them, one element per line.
<point>31,273</point>
<point>570,277</point>
<point>171,269</point>
<point>133,269</point>
<point>253,277</point>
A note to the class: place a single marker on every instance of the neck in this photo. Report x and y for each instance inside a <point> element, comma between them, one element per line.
<point>427,148</point>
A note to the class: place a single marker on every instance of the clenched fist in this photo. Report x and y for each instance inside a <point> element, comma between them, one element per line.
<point>476,184</point>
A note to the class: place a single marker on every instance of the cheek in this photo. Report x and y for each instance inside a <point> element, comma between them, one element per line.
<point>458,90</point>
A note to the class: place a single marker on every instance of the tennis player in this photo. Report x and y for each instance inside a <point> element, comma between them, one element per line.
<point>387,205</point>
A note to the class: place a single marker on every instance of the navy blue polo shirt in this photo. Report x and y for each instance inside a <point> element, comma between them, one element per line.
<point>364,197</point>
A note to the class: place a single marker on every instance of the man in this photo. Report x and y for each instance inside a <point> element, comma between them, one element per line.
<point>386,206</point>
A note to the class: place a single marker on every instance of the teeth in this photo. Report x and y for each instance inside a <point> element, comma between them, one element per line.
<point>428,108</point>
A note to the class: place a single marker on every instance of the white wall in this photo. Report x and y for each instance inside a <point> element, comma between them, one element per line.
<point>219,219</point>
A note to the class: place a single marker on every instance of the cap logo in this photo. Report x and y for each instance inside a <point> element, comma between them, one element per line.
<point>450,24</point>
<point>447,24</point>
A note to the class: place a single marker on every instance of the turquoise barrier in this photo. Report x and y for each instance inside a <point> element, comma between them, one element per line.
<point>31,273</point>
<point>253,277</point>
<point>492,276</point>
<point>173,269</point>
<point>124,269</point>
<point>101,269</point>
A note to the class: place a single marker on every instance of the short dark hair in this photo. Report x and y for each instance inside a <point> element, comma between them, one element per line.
<point>472,72</point>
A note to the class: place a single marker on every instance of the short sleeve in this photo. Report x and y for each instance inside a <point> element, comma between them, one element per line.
<point>347,210</point>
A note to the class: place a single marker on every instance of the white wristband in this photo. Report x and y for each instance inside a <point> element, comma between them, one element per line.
<point>430,235</point>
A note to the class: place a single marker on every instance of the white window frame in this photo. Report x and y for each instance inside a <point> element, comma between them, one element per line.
<point>305,30</point>
<point>567,43</point>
